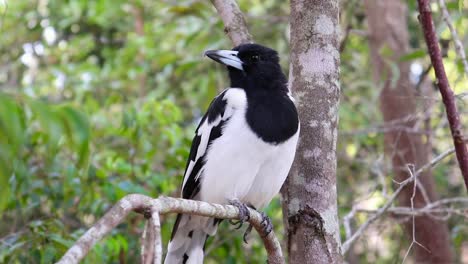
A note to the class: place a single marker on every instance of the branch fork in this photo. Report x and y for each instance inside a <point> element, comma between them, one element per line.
<point>152,245</point>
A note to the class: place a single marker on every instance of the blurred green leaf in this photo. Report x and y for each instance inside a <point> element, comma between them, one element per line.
<point>78,131</point>
<point>417,54</point>
<point>101,98</point>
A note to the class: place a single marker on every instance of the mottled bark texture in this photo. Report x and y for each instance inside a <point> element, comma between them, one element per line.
<point>309,194</point>
<point>388,42</point>
<point>234,22</point>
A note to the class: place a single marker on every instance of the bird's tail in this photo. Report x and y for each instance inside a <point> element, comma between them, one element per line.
<point>188,239</point>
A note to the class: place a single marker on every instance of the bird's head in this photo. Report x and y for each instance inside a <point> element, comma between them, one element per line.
<point>251,65</point>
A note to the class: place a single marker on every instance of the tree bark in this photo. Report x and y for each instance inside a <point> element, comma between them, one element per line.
<point>234,22</point>
<point>388,42</point>
<point>309,194</point>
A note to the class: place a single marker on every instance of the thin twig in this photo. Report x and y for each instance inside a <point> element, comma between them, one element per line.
<point>164,205</point>
<point>423,77</point>
<point>458,44</point>
<point>413,218</point>
<point>448,97</point>
<point>436,213</point>
<point>352,237</point>
<point>397,124</point>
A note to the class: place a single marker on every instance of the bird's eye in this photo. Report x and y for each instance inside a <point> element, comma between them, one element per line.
<point>255,58</point>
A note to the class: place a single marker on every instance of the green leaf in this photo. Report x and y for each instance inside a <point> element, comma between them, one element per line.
<point>61,241</point>
<point>77,130</point>
<point>50,125</point>
<point>48,255</point>
<point>453,6</point>
<point>5,173</point>
<point>11,125</point>
<point>417,54</point>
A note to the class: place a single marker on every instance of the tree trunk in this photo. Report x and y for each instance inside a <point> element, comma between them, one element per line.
<point>309,194</point>
<point>388,42</point>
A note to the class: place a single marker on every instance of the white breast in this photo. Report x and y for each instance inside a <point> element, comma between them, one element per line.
<point>240,165</point>
<point>232,160</point>
<point>272,173</point>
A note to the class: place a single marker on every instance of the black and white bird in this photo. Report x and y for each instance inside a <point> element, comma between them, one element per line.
<point>243,147</point>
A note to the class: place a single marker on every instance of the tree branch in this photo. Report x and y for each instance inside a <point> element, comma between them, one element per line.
<point>234,22</point>
<point>164,205</point>
<point>439,209</point>
<point>444,87</point>
<point>352,237</point>
<point>151,249</point>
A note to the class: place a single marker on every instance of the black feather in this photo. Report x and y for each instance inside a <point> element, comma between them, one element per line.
<point>215,110</point>
<point>176,226</point>
<point>192,185</point>
<point>271,115</point>
<point>270,112</point>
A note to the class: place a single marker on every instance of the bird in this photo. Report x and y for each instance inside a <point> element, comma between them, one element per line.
<point>243,147</point>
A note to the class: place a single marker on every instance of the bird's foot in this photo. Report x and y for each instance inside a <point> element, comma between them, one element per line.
<point>244,214</point>
<point>267,227</point>
<point>266,224</point>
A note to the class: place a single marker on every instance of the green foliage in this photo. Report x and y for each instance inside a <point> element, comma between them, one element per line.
<point>417,54</point>
<point>30,125</point>
<point>99,99</point>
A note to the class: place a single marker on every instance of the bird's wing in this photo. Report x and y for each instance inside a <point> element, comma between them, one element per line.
<point>209,129</point>
<point>190,232</point>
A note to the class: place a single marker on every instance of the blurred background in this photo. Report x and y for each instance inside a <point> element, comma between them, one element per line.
<point>99,99</point>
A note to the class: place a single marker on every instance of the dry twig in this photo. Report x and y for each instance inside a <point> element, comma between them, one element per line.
<point>352,237</point>
<point>458,44</point>
<point>439,209</point>
<point>414,241</point>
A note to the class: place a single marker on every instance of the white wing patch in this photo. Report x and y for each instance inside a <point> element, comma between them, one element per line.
<point>234,98</point>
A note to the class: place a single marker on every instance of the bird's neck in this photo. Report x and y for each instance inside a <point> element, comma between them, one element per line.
<point>259,83</point>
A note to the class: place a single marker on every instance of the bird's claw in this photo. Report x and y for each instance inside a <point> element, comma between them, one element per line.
<point>244,216</point>
<point>247,232</point>
<point>266,224</point>
<point>267,227</point>
<point>244,213</point>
